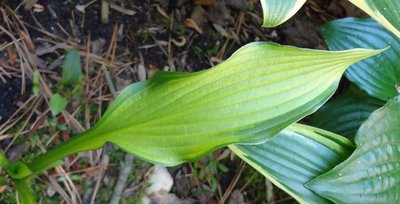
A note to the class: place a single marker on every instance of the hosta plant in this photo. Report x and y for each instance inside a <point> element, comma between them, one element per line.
<point>251,103</point>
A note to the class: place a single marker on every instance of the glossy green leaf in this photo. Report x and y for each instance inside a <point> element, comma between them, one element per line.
<point>386,12</point>
<point>179,117</point>
<point>372,173</point>
<point>376,75</point>
<point>277,12</point>
<point>345,114</point>
<point>295,156</point>
<point>72,69</point>
<point>57,104</point>
<point>24,191</point>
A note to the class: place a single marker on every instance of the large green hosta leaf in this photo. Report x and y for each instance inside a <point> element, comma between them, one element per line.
<point>295,156</point>
<point>178,117</point>
<point>277,12</point>
<point>344,114</point>
<point>372,173</point>
<point>376,75</point>
<point>386,12</point>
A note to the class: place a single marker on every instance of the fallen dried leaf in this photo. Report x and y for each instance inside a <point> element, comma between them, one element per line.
<point>199,16</point>
<point>28,4</point>
<point>226,33</point>
<point>28,41</point>
<point>2,188</point>
<point>191,24</point>
<point>12,56</point>
<point>162,12</point>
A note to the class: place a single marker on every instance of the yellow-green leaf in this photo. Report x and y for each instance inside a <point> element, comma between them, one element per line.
<point>179,117</point>
<point>277,12</point>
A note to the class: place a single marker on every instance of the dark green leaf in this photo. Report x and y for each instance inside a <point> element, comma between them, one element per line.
<point>377,75</point>
<point>372,173</point>
<point>345,114</point>
<point>295,156</point>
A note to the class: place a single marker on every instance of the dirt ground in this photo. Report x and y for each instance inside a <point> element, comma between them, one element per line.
<point>138,39</point>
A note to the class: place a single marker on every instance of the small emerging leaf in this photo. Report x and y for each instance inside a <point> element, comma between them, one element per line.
<point>372,173</point>
<point>36,83</point>
<point>72,70</point>
<point>377,75</point>
<point>57,104</point>
<point>277,12</point>
<point>386,12</point>
<point>295,156</point>
<point>179,117</point>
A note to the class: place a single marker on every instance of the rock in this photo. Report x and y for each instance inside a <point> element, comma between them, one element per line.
<point>160,180</point>
<point>236,197</point>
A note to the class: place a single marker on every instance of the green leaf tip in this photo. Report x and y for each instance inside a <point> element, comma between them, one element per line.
<point>178,117</point>
<point>276,12</point>
<point>378,74</point>
<point>371,174</point>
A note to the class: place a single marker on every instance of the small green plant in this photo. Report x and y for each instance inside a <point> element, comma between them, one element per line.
<point>251,103</point>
